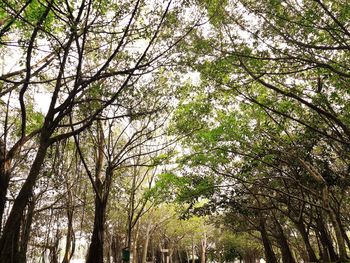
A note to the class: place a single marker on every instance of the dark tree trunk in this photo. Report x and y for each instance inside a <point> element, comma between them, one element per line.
<point>26,229</point>
<point>339,236</point>
<point>95,253</point>
<point>10,239</point>
<point>269,253</point>
<point>309,250</point>
<point>70,240</point>
<point>4,180</point>
<point>54,252</point>
<point>287,256</point>
<point>326,241</point>
<point>345,236</point>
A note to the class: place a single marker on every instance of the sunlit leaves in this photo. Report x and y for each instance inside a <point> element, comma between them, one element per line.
<point>215,9</point>
<point>188,117</point>
<point>165,188</point>
<point>34,12</point>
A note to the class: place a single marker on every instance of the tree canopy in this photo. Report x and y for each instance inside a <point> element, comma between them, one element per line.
<point>173,131</point>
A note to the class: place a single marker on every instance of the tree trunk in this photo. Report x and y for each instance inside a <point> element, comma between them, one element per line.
<point>135,244</point>
<point>269,254</point>
<point>26,228</point>
<point>193,251</point>
<point>326,241</point>
<point>4,180</point>
<point>116,248</point>
<point>345,236</point>
<point>335,223</point>
<point>309,250</point>
<point>69,249</point>
<point>54,251</point>
<point>10,238</point>
<point>203,248</point>
<point>287,256</point>
<point>170,255</point>
<point>339,236</point>
<point>179,254</point>
<point>145,244</point>
<point>95,253</point>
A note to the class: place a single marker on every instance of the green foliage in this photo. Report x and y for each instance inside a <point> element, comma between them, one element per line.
<point>165,187</point>
<point>3,13</point>
<point>162,158</point>
<point>35,120</point>
<point>220,69</point>
<point>32,14</point>
<point>266,132</point>
<point>274,75</point>
<point>188,116</point>
<point>196,188</point>
<point>215,9</point>
<point>34,11</point>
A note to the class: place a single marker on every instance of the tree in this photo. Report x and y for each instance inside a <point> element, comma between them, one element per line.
<point>74,52</point>
<point>269,111</point>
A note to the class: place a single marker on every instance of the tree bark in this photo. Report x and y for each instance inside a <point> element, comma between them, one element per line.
<point>135,244</point>
<point>203,248</point>
<point>26,229</point>
<point>116,247</point>
<point>193,251</point>
<point>269,253</point>
<point>10,238</point>
<point>4,180</point>
<point>54,251</point>
<point>145,244</point>
<point>287,256</point>
<point>95,253</point>
<point>343,231</point>
<point>309,250</point>
<point>339,237</point>
<point>326,241</point>
<point>69,249</point>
